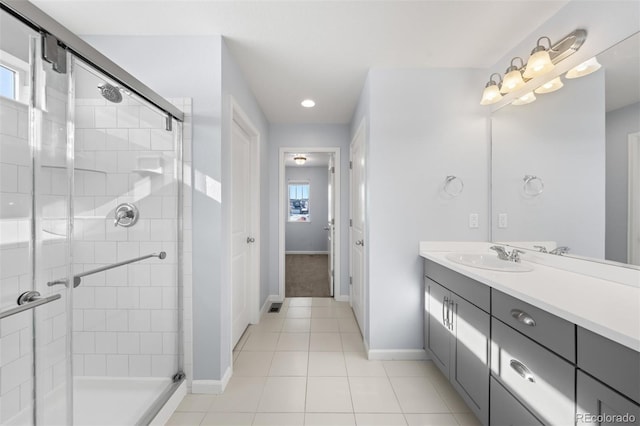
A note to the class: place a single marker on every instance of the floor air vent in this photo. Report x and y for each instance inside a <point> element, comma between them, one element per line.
<point>275,307</point>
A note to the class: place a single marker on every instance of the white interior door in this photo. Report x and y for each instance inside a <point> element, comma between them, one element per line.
<point>357,242</point>
<point>331,222</point>
<point>241,238</point>
<point>633,237</point>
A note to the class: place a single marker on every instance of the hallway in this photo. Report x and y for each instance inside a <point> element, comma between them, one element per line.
<point>306,365</point>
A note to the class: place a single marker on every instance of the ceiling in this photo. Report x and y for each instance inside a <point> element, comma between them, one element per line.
<point>322,49</point>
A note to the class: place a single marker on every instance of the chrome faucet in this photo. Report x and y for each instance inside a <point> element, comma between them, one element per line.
<point>122,215</point>
<point>560,250</point>
<point>502,253</point>
<point>541,249</point>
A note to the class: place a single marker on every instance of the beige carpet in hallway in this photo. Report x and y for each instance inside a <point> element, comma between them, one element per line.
<point>307,275</point>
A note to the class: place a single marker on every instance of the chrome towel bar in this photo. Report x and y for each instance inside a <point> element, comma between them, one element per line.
<point>78,277</point>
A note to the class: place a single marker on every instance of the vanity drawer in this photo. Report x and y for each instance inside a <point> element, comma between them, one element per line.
<point>465,287</point>
<point>616,365</point>
<point>549,330</point>
<point>506,410</point>
<point>542,381</point>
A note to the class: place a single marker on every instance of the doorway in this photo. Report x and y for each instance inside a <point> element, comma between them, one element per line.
<point>309,216</point>
<point>245,222</point>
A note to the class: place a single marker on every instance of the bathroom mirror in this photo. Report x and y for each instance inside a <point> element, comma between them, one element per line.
<point>561,165</point>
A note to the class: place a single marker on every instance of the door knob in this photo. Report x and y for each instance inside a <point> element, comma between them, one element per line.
<point>250,240</point>
<point>360,243</point>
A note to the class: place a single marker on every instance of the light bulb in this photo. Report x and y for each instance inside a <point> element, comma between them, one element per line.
<point>512,81</point>
<point>491,94</point>
<point>539,63</point>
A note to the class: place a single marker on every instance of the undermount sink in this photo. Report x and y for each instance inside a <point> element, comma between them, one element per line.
<point>487,261</point>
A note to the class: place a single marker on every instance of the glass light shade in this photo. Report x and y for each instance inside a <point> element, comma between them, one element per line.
<point>526,99</point>
<point>539,63</point>
<point>550,86</point>
<point>300,160</point>
<point>490,95</point>
<point>512,81</point>
<point>585,68</point>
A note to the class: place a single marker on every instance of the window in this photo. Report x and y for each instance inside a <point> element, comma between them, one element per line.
<point>299,202</point>
<point>7,82</point>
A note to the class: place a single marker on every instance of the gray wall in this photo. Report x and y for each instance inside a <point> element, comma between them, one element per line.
<point>423,126</point>
<point>310,236</point>
<point>561,139</point>
<point>619,124</point>
<point>308,135</point>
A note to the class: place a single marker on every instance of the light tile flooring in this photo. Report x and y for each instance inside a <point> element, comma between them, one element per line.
<point>306,366</point>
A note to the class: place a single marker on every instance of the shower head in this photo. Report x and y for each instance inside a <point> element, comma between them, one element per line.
<point>110,93</point>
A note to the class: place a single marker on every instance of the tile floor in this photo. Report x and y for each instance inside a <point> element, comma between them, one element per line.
<point>306,366</point>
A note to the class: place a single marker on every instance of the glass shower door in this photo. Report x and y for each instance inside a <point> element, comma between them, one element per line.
<point>35,226</point>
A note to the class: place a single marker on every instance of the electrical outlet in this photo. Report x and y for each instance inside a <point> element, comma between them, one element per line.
<point>502,220</point>
<point>474,219</point>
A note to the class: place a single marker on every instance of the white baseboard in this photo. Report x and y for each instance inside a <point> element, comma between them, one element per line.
<point>341,298</point>
<point>170,406</point>
<point>306,252</point>
<point>212,387</point>
<point>397,354</point>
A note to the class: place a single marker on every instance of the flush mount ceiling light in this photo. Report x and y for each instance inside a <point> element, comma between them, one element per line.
<point>526,99</point>
<point>539,62</point>
<point>300,159</point>
<point>550,86</point>
<point>585,68</point>
<point>308,103</point>
<point>491,93</point>
<point>513,78</point>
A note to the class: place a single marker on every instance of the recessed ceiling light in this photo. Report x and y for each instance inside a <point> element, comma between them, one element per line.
<point>308,103</point>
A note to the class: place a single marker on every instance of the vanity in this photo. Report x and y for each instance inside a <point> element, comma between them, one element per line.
<point>535,345</point>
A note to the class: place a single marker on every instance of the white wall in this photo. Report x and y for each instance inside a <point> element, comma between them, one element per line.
<point>309,236</point>
<point>619,124</point>
<point>561,139</point>
<point>423,125</point>
<point>308,135</point>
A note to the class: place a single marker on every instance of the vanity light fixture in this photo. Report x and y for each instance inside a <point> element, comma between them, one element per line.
<point>525,99</point>
<point>585,68</point>
<point>550,86</point>
<point>539,62</point>
<point>300,159</point>
<point>491,93</point>
<point>513,77</point>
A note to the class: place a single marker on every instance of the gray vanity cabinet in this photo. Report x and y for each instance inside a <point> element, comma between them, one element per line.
<point>457,336</point>
<point>598,404</point>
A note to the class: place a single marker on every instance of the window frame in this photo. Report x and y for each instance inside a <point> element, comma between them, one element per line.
<point>21,71</point>
<point>288,201</point>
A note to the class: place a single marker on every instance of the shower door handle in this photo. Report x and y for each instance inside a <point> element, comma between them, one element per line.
<point>250,240</point>
<point>29,300</point>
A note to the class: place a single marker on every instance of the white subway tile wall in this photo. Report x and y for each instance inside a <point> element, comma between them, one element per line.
<point>126,319</point>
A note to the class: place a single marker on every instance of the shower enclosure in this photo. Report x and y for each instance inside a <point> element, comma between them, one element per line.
<point>90,233</point>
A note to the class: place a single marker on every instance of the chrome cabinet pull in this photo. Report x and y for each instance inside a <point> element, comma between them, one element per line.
<point>522,370</point>
<point>445,302</point>
<point>523,317</point>
<point>451,309</point>
<point>360,243</point>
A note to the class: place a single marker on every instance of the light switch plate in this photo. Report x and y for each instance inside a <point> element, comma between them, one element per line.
<point>502,220</point>
<point>474,219</point>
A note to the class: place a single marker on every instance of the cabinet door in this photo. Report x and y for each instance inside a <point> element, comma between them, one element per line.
<point>438,334</point>
<point>470,356</point>
<point>599,405</point>
<point>507,411</point>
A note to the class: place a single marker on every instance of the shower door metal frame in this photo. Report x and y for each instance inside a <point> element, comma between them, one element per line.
<point>44,23</point>
<point>67,42</point>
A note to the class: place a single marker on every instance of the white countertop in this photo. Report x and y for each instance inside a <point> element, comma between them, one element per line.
<point>605,307</point>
